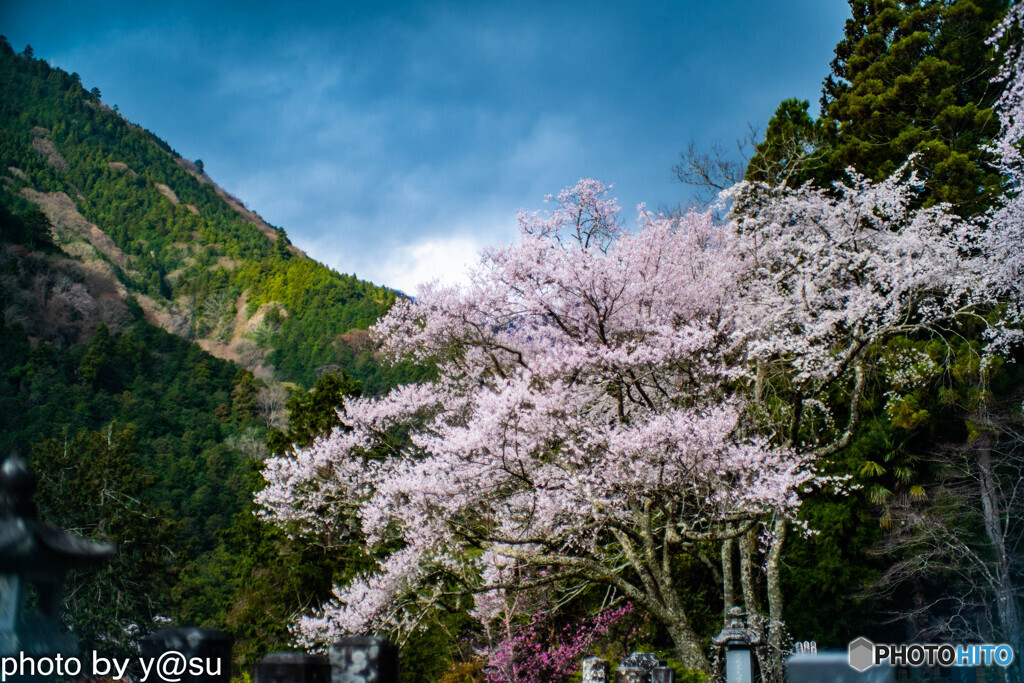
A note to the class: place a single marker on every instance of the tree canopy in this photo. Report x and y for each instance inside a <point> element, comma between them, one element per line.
<point>602,395</point>
<point>913,76</point>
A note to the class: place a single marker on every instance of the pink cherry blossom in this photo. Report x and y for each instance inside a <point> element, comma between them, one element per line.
<point>592,412</point>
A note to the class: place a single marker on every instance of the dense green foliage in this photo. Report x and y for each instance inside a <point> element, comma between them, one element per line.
<point>168,389</point>
<point>793,147</point>
<point>909,77</point>
<point>95,485</point>
<point>127,427</point>
<point>915,77</point>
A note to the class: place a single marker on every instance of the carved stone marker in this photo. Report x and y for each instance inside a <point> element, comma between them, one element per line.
<point>631,674</point>
<point>637,667</point>
<point>364,660</point>
<point>663,674</point>
<point>595,670</point>
<point>833,667</point>
<point>293,667</point>
<point>642,660</point>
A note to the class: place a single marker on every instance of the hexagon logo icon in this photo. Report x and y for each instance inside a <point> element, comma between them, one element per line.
<point>862,654</point>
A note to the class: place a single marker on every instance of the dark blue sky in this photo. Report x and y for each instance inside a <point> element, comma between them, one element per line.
<point>394,139</point>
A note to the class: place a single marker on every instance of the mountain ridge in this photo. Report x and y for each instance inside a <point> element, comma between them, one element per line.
<point>128,281</point>
<point>193,255</point>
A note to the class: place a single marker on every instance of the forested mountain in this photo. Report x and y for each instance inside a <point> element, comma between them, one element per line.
<point>200,264</point>
<point>155,334</point>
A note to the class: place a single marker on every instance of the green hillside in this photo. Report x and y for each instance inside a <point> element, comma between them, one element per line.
<point>201,264</point>
<point>155,335</point>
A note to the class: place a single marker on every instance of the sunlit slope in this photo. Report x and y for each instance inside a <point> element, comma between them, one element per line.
<point>200,263</point>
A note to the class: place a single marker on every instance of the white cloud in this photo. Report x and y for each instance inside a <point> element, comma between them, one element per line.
<point>444,257</point>
<point>447,259</point>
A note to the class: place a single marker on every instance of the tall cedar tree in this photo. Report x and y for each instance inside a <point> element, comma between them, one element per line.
<point>907,78</point>
<point>915,77</point>
<point>793,149</point>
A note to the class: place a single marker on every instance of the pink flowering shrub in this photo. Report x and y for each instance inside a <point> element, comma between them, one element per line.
<point>542,653</point>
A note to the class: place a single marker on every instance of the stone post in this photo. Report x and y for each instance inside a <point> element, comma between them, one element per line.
<point>364,660</point>
<point>738,642</point>
<point>292,667</point>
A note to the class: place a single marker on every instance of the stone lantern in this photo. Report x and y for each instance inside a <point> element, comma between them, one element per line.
<point>37,555</point>
<point>738,641</point>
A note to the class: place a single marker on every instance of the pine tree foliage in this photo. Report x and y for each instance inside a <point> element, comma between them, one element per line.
<point>914,76</point>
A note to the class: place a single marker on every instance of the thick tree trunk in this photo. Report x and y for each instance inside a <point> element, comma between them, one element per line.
<point>772,668</point>
<point>688,647</point>
<point>759,381</point>
<point>657,590</point>
<point>748,560</point>
<point>728,581</point>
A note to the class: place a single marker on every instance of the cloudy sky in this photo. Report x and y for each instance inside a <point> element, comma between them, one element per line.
<point>394,139</point>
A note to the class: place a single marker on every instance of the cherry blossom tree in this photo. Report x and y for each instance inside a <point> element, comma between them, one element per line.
<point>1008,219</point>
<point>583,422</point>
<point>607,400</point>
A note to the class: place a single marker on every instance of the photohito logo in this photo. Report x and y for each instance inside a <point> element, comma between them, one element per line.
<point>864,654</point>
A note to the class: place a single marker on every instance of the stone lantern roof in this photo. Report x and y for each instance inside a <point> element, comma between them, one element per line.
<point>29,546</point>
<point>34,554</point>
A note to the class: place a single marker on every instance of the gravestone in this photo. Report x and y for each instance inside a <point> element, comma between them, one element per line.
<point>595,670</point>
<point>364,660</point>
<point>638,667</point>
<point>631,674</point>
<point>663,674</point>
<point>833,667</point>
<point>292,667</point>
<point>642,660</point>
